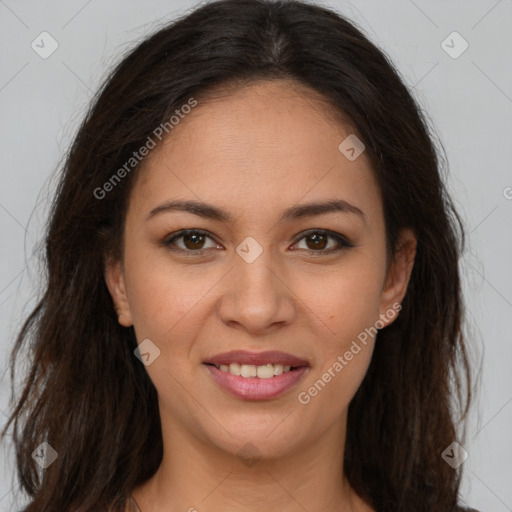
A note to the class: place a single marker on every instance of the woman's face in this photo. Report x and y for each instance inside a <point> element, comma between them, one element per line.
<point>263,281</point>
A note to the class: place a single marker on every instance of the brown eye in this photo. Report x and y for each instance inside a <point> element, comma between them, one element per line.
<point>192,241</point>
<point>317,241</point>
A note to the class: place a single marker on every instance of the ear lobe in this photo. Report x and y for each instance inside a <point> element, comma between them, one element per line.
<point>114,280</point>
<point>399,273</point>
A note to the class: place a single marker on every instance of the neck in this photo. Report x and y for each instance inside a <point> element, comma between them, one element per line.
<point>198,476</point>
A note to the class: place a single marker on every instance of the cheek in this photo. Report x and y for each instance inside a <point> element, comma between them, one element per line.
<point>347,298</point>
<point>351,305</point>
<point>160,294</point>
<point>349,301</point>
<point>348,349</point>
<point>330,392</point>
<point>165,309</point>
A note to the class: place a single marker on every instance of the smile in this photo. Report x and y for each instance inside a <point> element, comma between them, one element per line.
<point>266,371</point>
<point>249,385</point>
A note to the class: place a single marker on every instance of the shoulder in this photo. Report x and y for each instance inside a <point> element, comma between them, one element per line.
<point>465,509</point>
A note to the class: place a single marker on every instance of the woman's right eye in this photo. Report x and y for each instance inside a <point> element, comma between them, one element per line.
<point>192,241</point>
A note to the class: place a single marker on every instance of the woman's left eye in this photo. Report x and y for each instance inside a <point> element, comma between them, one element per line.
<point>316,240</point>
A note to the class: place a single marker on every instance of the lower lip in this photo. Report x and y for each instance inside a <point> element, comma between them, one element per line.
<point>254,388</point>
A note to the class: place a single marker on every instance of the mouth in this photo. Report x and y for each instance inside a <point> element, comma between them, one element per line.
<point>243,358</point>
<point>256,376</point>
<point>266,371</point>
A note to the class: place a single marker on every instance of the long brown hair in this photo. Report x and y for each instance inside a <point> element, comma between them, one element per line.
<point>89,397</point>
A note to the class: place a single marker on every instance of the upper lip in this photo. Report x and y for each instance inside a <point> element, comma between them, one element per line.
<point>256,358</point>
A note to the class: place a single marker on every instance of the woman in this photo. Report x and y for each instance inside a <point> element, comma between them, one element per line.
<point>253,299</point>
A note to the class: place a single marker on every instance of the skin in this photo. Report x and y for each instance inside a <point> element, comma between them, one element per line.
<point>255,152</point>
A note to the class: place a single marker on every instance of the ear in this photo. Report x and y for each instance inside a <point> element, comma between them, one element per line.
<point>399,273</point>
<point>114,279</point>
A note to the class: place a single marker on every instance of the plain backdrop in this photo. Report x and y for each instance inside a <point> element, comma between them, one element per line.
<point>467,95</point>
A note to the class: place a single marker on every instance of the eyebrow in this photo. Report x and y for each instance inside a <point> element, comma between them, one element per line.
<point>209,211</point>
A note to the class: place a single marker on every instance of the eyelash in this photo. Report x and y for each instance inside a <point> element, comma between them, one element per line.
<point>343,242</point>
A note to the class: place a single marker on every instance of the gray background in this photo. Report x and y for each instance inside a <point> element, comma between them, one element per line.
<point>468,98</point>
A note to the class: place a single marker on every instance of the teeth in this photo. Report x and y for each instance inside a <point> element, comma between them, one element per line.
<point>266,371</point>
<point>248,370</point>
<point>279,368</point>
<point>233,368</point>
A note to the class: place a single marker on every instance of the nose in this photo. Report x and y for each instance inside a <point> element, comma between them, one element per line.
<point>256,296</point>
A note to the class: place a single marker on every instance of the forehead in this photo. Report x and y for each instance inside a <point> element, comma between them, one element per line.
<point>256,147</point>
